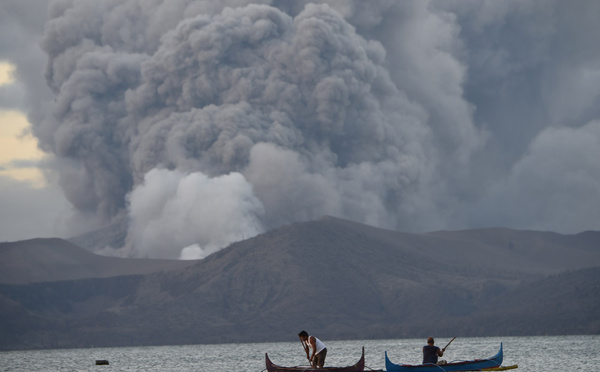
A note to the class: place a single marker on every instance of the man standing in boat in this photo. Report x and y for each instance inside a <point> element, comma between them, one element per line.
<point>315,349</point>
<point>431,353</point>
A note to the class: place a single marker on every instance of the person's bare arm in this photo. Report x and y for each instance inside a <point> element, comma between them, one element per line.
<point>305,347</point>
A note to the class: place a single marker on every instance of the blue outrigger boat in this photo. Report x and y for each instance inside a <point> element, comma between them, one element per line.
<point>493,363</point>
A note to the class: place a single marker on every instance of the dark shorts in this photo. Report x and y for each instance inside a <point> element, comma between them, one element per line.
<point>319,360</point>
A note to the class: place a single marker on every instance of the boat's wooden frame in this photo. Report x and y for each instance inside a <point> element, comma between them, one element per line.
<point>358,367</point>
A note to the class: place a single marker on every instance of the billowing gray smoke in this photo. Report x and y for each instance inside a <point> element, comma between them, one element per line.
<point>206,122</point>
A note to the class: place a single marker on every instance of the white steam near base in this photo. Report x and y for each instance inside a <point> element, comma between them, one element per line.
<point>171,209</point>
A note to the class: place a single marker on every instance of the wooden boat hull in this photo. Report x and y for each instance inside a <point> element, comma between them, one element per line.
<point>358,367</point>
<point>469,365</point>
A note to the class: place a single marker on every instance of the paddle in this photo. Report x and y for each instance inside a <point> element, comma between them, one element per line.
<point>444,349</point>
<point>305,349</point>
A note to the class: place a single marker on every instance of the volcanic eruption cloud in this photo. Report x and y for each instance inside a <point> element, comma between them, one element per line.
<point>208,122</point>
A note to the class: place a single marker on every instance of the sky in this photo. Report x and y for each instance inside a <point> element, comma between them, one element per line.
<point>201,123</point>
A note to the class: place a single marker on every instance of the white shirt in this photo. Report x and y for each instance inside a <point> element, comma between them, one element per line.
<point>319,345</point>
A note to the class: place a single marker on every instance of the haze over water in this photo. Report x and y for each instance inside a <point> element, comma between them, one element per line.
<point>532,354</point>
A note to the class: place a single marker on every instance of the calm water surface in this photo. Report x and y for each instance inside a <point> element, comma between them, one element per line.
<point>560,353</point>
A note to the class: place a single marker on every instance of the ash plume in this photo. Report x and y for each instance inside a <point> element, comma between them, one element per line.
<point>206,122</point>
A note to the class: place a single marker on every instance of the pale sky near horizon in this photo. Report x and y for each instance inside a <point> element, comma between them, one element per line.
<point>16,142</point>
<point>29,206</point>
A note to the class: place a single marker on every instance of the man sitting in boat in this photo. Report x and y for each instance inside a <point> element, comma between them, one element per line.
<point>319,351</point>
<point>431,352</point>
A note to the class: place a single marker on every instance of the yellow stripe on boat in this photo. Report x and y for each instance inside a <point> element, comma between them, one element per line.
<point>501,368</point>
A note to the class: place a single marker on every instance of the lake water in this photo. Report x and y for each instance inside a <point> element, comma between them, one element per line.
<point>556,353</point>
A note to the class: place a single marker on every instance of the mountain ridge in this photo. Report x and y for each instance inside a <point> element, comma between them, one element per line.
<point>342,279</point>
<point>55,259</point>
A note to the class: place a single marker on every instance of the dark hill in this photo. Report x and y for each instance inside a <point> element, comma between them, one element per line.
<point>566,303</point>
<point>44,260</point>
<point>338,278</point>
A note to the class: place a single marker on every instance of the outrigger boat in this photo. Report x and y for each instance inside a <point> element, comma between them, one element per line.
<point>358,367</point>
<point>491,364</point>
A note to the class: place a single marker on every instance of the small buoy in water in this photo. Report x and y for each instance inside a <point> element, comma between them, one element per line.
<point>102,362</point>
